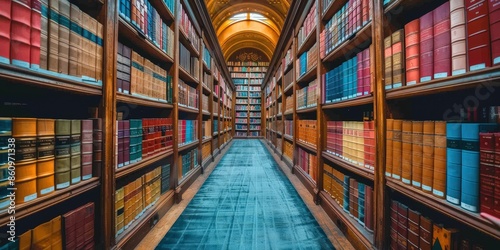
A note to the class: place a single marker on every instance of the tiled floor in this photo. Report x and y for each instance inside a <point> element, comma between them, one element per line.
<point>246,203</point>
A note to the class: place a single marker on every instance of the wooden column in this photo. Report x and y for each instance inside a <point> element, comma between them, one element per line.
<point>294,114</point>
<point>320,131</point>
<point>200,101</point>
<point>380,204</point>
<point>175,110</point>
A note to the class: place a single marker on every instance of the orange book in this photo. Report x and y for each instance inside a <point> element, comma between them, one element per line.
<point>428,156</point>
<point>417,151</point>
<point>439,173</point>
<point>389,149</point>
<point>443,238</point>
<point>397,148</point>
<point>25,240</point>
<point>406,154</point>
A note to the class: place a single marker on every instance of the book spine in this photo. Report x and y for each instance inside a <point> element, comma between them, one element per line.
<point>389,146</point>
<point>442,41</point>
<point>97,146</point>
<point>494,8</point>
<point>406,155</point>
<point>402,226</point>
<point>64,28</point>
<point>426,233</point>
<point>440,159</point>
<point>428,156</point>
<point>417,153</point>
<point>87,141</point>
<point>413,229</point>
<point>426,47</point>
<point>75,39</point>
<point>75,154</point>
<point>478,35</point>
<point>388,62</point>
<point>20,34</point>
<point>5,23</point>
<point>487,173</point>
<point>397,149</point>
<point>458,37</point>
<point>453,162</point>
<point>398,55</point>
<point>412,50</point>
<point>62,153</point>
<point>394,225</point>
<point>36,30</point>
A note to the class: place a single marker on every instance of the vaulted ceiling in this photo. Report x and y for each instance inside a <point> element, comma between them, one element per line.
<point>251,24</point>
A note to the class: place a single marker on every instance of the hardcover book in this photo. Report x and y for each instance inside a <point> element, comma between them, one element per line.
<point>417,153</point>
<point>440,157</point>
<point>427,47</point>
<point>389,145</point>
<point>53,36</point>
<point>426,233</point>
<point>494,8</point>
<point>397,149</point>
<point>487,173</point>
<point>406,154</point>
<point>458,37</point>
<point>388,62</point>
<point>62,153</point>
<point>398,55</point>
<point>412,51</point>
<point>453,162</point>
<point>20,33</point>
<point>444,238</point>
<point>442,41</point>
<point>35,37</point>
<point>75,41</point>
<point>478,34</point>
<point>5,23</point>
<point>64,26</point>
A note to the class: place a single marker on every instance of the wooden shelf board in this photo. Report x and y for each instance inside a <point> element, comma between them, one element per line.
<point>473,220</point>
<point>204,112</point>
<point>188,109</point>
<point>187,77</point>
<point>163,10</point>
<point>308,76</point>
<point>333,8</point>
<point>364,172</point>
<point>361,36</point>
<point>308,182</point>
<point>308,42</point>
<point>361,235</point>
<point>38,78</point>
<point>126,170</point>
<point>187,180</point>
<point>206,140</point>
<point>358,101</point>
<point>307,110</point>
<point>206,90</point>
<point>189,145</point>
<point>279,115</point>
<point>187,43</point>
<point>306,146</point>
<point>45,202</point>
<point>205,68</point>
<point>288,137</point>
<point>290,112</point>
<point>137,38</point>
<point>288,90</point>
<point>131,99</point>
<point>467,80</point>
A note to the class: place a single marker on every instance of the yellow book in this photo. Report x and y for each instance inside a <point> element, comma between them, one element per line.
<point>25,240</point>
<point>42,236</point>
<point>56,238</point>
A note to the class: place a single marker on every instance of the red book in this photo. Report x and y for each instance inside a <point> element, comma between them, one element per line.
<point>80,227</point>
<point>442,41</point>
<point>496,202</point>
<point>369,208</point>
<point>36,32</point>
<point>426,47</point>
<point>412,42</point>
<point>487,172</point>
<point>5,23</point>
<point>402,226</point>
<point>20,33</point>
<point>365,11</point>
<point>366,72</point>
<point>89,224</point>
<point>478,34</point>
<point>360,82</point>
<point>69,222</point>
<point>494,7</point>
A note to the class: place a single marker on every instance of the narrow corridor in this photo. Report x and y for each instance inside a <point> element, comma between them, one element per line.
<point>246,203</point>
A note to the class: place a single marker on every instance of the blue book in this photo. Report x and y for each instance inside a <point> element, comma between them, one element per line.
<point>361,203</point>
<point>470,163</point>
<point>346,193</point>
<point>165,178</point>
<point>355,76</point>
<point>345,80</point>
<point>453,162</point>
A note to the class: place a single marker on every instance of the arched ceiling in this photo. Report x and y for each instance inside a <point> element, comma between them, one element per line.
<point>241,24</point>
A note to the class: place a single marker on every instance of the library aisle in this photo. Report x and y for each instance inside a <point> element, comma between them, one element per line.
<point>246,203</point>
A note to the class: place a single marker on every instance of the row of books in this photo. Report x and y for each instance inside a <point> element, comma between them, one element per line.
<point>307,162</point>
<point>204,103</point>
<point>242,134</point>
<point>187,131</point>
<point>255,114</point>
<point>349,80</point>
<point>279,73</point>
<point>253,121</point>
<point>207,80</point>
<point>165,178</point>
<point>489,174</point>
<point>51,154</point>
<point>352,141</point>
<point>247,64</point>
<point>56,38</point>
<point>241,107</point>
<point>247,75</point>
<point>206,150</point>
<point>187,27</point>
<point>288,150</point>
<point>279,125</point>
<point>288,127</point>
<point>289,104</point>
<point>288,79</point>
<point>216,125</point>
<point>308,96</point>
<point>241,88</point>
<point>146,19</point>
<point>241,127</point>
<point>241,120</point>
<point>247,69</point>
<point>241,101</point>
<point>206,127</point>
<point>411,229</point>
<point>350,18</point>
<point>138,139</point>
<point>135,198</point>
<point>206,56</point>
<point>457,37</point>
<point>188,96</point>
<point>187,162</point>
<point>307,131</point>
<point>254,127</point>
<point>254,94</point>
<point>215,107</point>
<point>146,78</point>
<point>254,88</point>
<point>241,114</point>
<point>254,133</point>
<point>73,230</point>
<point>355,197</point>
<point>310,22</point>
<point>307,60</point>
<point>190,64</point>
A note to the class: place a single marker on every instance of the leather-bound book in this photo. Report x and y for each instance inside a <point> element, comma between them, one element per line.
<point>62,153</point>
<point>402,226</point>
<point>458,37</point>
<point>45,156</point>
<point>394,225</point>
<point>165,178</point>
<point>478,34</point>
<point>99,50</point>
<point>412,51</point>
<point>64,25</point>
<point>366,72</point>
<point>494,8</point>
<point>346,186</point>
<point>36,29</point>
<point>453,162</point>
<point>417,153</point>
<point>87,148</point>
<point>20,33</point>
<point>121,144</point>
<point>369,223</point>
<point>355,201</point>
<point>126,142</point>
<point>442,41</point>
<point>89,224</point>
<point>359,74</point>
<point>24,132</point>
<point>44,34</point>
<point>41,237</point>
<point>398,58</point>
<point>53,36</point>
<point>426,47</point>
<point>397,149</point>
<point>119,211</point>
<point>470,163</point>
<point>361,203</point>
<point>97,147</point>
<point>389,148</point>
<point>76,151</point>
<point>25,240</point>
<point>80,228</point>
<point>428,156</point>
<point>75,41</point>
<point>444,238</point>
<point>406,153</point>
<point>388,62</point>
<point>440,153</point>
<point>88,47</point>
<point>426,233</point>
<point>496,202</point>
<point>5,23</point>
<point>413,229</point>
<point>487,173</point>
<point>69,225</point>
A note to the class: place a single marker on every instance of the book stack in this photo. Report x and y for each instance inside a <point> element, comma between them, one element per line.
<point>188,96</point>
<point>289,127</point>
<point>254,127</point>
<point>254,88</point>
<point>47,235</point>
<point>165,178</point>
<point>307,131</point>
<point>302,65</point>
<point>241,107</point>
<point>152,187</point>
<point>187,131</point>
<point>307,162</point>
<point>78,227</point>
<point>344,24</point>
<point>254,108</point>
<point>188,28</point>
<point>288,79</point>
<point>308,25</point>
<point>241,127</point>
<point>254,133</point>
<point>149,80</point>
<point>356,198</point>
<point>187,162</point>
<point>307,96</point>
<point>123,143</point>
<point>215,107</point>
<point>255,121</point>
<point>242,134</point>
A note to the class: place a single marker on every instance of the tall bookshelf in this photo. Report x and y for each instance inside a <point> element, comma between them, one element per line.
<point>247,77</point>
<point>147,106</point>
<point>358,107</point>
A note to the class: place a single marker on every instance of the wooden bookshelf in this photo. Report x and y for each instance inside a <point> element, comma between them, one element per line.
<point>129,169</point>
<point>361,171</point>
